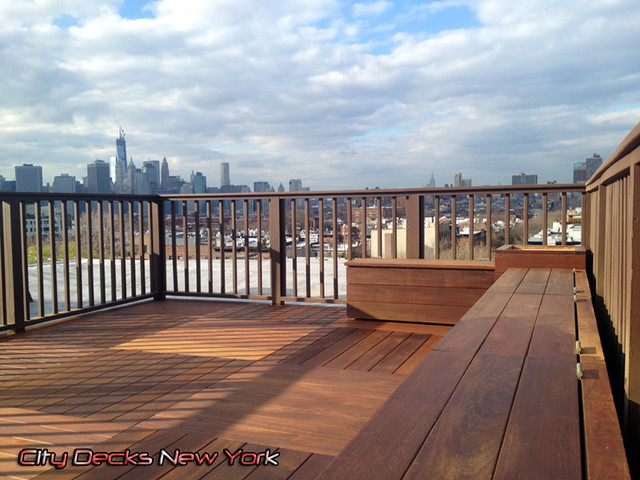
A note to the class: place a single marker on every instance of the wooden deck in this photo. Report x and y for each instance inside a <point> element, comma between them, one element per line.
<point>500,397</point>
<point>201,377</point>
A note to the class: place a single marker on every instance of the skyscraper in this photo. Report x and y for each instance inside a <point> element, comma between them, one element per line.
<point>198,182</point>
<point>130,184</point>
<point>113,171</point>
<point>457,180</point>
<point>28,178</point>
<point>225,181</point>
<point>120,167</point>
<point>295,185</point>
<point>152,169</point>
<point>142,182</point>
<point>165,180</point>
<point>432,181</point>
<point>98,180</point>
<point>582,171</point>
<point>199,185</point>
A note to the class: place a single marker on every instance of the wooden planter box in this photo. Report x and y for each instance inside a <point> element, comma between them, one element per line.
<point>424,291</point>
<point>537,256</point>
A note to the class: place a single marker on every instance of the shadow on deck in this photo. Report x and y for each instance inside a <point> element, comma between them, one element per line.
<point>199,376</point>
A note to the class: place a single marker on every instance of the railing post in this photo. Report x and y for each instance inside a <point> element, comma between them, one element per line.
<point>586,219</point>
<point>564,221</point>
<point>158,261</point>
<point>545,218</point>
<point>415,226</point>
<point>437,222</point>
<point>454,228</point>
<point>13,267</point>
<point>599,260</point>
<point>277,249</point>
<point>525,215</point>
<point>471,225</point>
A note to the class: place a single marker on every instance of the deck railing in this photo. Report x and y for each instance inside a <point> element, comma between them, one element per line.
<point>64,254</point>
<point>613,238</point>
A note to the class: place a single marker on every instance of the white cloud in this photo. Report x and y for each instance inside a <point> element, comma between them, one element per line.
<point>288,89</point>
<point>371,9</point>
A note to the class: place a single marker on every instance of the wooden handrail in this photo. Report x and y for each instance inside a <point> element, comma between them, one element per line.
<point>630,144</point>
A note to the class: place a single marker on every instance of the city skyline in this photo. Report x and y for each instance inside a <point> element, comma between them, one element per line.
<point>343,94</point>
<point>153,178</point>
<point>119,177</point>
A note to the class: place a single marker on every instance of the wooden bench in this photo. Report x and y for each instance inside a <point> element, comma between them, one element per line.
<point>539,256</point>
<point>420,291</point>
<point>605,456</point>
<point>499,395</point>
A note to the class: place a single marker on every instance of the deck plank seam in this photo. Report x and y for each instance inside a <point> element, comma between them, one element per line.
<point>513,399</point>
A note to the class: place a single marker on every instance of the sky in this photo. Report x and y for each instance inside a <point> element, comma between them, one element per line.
<point>343,95</point>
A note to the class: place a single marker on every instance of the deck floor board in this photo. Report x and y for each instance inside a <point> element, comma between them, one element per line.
<point>200,376</point>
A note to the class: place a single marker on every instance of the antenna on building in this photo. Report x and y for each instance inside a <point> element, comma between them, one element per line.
<point>121,129</point>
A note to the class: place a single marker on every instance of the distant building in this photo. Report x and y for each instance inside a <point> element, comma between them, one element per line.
<point>582,171</point>
<point>151,168</point>
<point>113,172</point>
<point>175,184</point>
<point>199,185</point>
<point>130,180</point>
<point>524,179</point>
<point>45,224</point>
<point>198,182</point>
<point>119,164</point>
<point>98,179</point>
<point>261,187</point>
<point>7,185</point>
<point>165,180</point>
<point>280,188</point>
<point>458,181</point>
<point>121,147</point>
<point>225,180</point>
<point>143,184</point>
<point>432,181</point>
<point>64,183</point>
<point>295,185</point>
<point>28,178</point>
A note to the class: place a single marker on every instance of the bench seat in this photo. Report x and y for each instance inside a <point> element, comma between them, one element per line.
<point>415,290</point>
<point>497,397</point>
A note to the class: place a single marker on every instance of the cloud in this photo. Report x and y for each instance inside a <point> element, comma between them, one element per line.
<point>303,89</point>
<point>371,9</point>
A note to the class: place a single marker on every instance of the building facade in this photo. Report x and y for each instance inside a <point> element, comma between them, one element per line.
<point>98,178</point>
<point>524,179</point>
<point>64,184</point>
<point>582,171</point>
<point>119,164</point>
<point>28,178</point>
<point>225,179</point>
